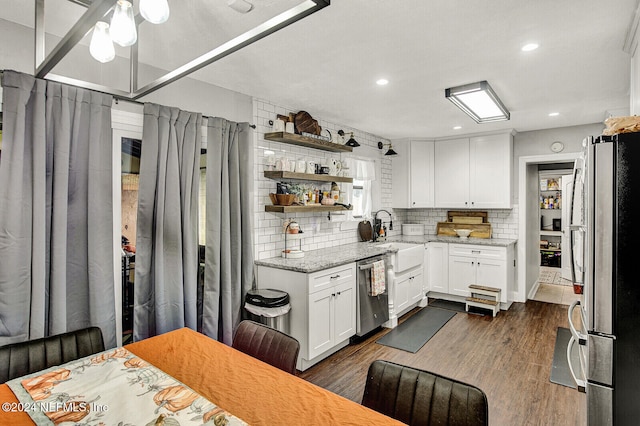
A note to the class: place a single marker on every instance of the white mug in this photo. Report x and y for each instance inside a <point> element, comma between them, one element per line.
<point>271,162</point>
<point>284,164</point>
<point>311,167</point>
<point>278,125</point>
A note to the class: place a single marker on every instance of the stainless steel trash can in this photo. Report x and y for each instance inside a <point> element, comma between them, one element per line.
<point>270,307</point>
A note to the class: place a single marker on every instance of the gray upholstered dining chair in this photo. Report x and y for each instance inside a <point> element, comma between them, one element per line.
<point>418,397</point>
<point>18,359</point>
<point>267,344</point>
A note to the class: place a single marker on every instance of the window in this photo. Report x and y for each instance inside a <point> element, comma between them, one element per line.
<point>361,199</point>
<point>357,199</point>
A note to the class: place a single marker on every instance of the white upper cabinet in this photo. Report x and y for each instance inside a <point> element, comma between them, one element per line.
<point>474,172</point>
<point>490,165</point>
<point>412,174</point>
<point>452,173</point>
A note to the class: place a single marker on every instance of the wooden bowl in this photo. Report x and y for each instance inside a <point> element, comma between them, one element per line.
<point>285,199</point>
<point>274,199</point>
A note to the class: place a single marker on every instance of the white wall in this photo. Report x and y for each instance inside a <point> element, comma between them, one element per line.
<point>538,142</point>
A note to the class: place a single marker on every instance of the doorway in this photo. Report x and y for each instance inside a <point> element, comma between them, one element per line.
<point>555,187</point>
<point>528,247</point>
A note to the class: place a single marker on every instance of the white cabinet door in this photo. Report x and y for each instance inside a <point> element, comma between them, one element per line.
<point>422,174</point>
<point>451,173</point>
<point>320,335</point>
<point>400,176</point>
<point>438,267</point>
<point>462,273</point>
<point>416,287</point>
<point>492,273</point>
<point>344,314</point>
<point>402,292</point>
<point>490,165</point>
<point>412,174</point>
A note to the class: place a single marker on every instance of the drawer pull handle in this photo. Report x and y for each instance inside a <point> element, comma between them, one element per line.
<point>475,251</point>
<point>335,277</point>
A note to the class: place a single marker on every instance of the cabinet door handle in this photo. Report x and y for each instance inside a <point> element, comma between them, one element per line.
<point>473,263</point>
<point>473,203</point>
<point>335,277</point>
<point>333,295</point>
<point>338,293</point>
<point>465,203</point>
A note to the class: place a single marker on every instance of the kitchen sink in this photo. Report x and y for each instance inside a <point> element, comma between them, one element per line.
<point>407,256</point>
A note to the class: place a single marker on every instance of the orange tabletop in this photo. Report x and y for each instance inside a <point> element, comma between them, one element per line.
<point>254,391</point>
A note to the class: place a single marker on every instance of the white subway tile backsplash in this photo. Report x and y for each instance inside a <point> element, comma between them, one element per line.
<point>322,233</point>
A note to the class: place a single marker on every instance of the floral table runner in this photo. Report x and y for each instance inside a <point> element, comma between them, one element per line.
<point>114,387</point>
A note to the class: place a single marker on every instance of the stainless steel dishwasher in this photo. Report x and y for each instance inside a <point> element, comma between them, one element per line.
<point>373,311</point>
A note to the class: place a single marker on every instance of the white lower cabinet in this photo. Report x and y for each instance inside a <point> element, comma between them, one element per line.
<point>437,262</point>
<point>409,289</point>
<point>482,265</point>
<point>323,308</point>
<point>331,317</point>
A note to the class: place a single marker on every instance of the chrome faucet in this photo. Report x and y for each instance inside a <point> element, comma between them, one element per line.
<point>377,224</point>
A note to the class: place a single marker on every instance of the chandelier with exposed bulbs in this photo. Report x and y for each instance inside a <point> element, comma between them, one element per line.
<point>122,27</point>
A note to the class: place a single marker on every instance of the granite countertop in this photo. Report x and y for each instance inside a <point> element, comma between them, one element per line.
<point>318,260</point>
<point>496,242</point>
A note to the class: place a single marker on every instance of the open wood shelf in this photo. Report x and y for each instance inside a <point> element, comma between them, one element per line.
<point>303,209</point>
<point>305,141</point>
<point>306,176</point>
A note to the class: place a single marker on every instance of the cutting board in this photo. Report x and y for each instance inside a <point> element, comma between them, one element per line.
<point>480,230</point>
<point>365,230</point>
<point>467,216</point>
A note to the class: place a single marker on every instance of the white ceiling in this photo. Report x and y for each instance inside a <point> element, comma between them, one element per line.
<point>327,63</point>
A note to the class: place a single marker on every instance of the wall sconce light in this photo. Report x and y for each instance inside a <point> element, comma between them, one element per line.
<point>478,101</point>
<point>390,151</point>
<point>351,142</point>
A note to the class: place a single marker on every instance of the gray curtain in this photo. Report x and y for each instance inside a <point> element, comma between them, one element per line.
<point>229,233</point>
<point>166,270</point>
<point>56,224</point>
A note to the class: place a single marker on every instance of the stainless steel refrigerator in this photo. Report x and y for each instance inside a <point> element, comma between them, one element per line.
<point>605,235</point>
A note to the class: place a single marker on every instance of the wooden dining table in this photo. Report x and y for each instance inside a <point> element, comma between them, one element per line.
<point>249,389</point>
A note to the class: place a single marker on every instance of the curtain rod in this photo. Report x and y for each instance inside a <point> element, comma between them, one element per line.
<point>118,98</point>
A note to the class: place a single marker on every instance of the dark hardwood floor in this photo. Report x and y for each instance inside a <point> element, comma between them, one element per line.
<point>508,357</point>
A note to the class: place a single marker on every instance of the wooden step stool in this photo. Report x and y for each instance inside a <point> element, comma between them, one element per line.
<point>484,297</point>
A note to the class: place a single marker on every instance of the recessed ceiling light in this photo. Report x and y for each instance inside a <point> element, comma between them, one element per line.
<point>529,47</point>
<point>382,82</point>
<point>554,114</point>
<point>457,127</point>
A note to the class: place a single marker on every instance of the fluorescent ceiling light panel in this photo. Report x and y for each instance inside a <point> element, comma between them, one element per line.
<point>478,101</point>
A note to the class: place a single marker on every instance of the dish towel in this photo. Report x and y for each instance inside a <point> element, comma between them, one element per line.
<point>377,284</point>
